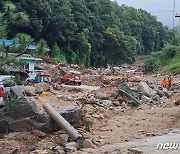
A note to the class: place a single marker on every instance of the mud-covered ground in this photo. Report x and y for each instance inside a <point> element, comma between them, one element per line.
<point>102,126</point>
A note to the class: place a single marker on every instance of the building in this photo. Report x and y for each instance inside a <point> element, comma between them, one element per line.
<point>28,60</point>
<point>30,65</point>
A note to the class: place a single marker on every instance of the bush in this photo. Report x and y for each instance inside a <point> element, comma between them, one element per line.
<point>10,99</point>
<point>150,65</point>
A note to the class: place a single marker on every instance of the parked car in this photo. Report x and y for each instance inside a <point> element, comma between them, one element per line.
<point>6,82</point>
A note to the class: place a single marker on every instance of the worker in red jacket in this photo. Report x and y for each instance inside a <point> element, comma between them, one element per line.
<point>165,83</point>
<point>169,81</point>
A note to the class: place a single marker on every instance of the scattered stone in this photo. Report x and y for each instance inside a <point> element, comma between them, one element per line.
<point>166,92</point>
<point>160,87</point>
<point>61,140</point>
<point>71,147</point>
<point>39,134</point>
<point>159,92</point>
<point>82,100</point>
<point>134,79</point>
<point>57,86</point>
<point>101,95</point>
<point>69,98</point>
<point>92,100</point>
<point>64,137</point>
<point>29,90</point>
<point>98,116</point>
<point>88,144</point>
<point>106,103</point>
<point>123,104</point>
<point>146,99</point>
<point>60,150</point>
<point>156,97</point>
<point>39,90</point>
<point>163,99</point>
<point>116,103</point>
<point>31,148</point>
<point>177,103</point>
<point>44,85</point>
<point>114,94</point>
<point>79,95</point>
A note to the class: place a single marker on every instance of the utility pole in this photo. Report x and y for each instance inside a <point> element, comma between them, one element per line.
<point>174,11</point>
<point>178,16</point>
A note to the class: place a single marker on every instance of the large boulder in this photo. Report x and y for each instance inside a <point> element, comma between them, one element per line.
<point>18,90</point>
<point>29,90</point>
<point>42,86</point>
<point>23,115</point>
<point>101,95</point>
<point>26,115</point>
<point>144,89</point>
<point>73,114</point>
<point>25,107</point>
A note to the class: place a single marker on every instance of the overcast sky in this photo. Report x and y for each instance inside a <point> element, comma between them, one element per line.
<point>163,9</point>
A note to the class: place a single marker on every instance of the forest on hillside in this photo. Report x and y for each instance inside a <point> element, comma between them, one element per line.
<point>89,32</point>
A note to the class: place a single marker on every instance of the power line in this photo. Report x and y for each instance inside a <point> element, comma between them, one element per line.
<point>163,11</point>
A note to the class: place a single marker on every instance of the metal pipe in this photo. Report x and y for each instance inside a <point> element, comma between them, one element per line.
<point>71,131</point>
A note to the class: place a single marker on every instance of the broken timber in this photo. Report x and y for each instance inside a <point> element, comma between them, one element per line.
<point>71,131</point>
<point>123,92</point>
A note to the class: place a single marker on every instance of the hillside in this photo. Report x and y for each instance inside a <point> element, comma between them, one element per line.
<point>89,32</point>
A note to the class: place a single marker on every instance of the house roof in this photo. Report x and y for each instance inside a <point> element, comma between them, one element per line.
<point>6,42</point>
<point>25,56</point>
<point>29,57</point>
<point>29,46</point>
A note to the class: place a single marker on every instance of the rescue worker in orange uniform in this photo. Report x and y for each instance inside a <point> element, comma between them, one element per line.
<point>169,81</point>
<point>165,83</point>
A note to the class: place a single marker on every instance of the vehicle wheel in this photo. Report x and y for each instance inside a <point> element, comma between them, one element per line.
<point>70,83</point>
<point>79,83</point>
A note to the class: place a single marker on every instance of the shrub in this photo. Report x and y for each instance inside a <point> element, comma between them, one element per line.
<point>150,65</point>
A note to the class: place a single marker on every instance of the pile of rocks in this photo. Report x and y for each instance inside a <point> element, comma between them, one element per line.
<point>156,95</point>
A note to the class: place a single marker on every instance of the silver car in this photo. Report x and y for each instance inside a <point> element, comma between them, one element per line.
<point>6,82</point>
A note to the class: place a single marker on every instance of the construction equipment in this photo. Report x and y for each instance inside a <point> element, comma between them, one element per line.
<point>71,78</point>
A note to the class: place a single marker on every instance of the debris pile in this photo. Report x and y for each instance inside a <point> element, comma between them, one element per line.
<point>106,96</point>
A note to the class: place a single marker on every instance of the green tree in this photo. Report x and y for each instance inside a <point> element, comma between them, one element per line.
<point>58,54</point>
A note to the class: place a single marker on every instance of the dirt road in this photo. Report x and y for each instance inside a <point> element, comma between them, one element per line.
<point>153,145</point>
<point>84,87</point>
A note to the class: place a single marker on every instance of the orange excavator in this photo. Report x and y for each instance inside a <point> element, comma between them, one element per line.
<point>71,78</point>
